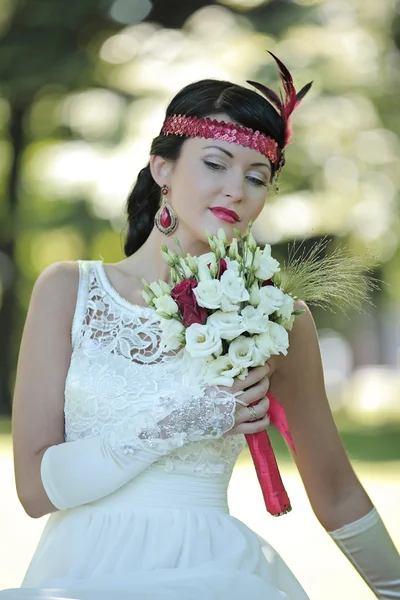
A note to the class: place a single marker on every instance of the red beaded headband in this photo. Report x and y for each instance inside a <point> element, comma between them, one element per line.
<point>245,136</point>
<point>226,132</point>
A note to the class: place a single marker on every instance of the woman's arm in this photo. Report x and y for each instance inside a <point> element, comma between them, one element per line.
<point>336,495</point>
<point>51,473</point>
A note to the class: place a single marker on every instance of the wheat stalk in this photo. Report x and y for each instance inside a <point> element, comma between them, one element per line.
<point>336,280</point>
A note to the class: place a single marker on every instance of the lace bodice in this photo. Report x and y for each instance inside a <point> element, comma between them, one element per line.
<point>119,373</point>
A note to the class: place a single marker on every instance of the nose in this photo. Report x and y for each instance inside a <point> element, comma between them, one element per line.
<point>234,187</point>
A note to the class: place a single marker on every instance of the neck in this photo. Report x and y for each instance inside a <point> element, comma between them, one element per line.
<point>149,255</point>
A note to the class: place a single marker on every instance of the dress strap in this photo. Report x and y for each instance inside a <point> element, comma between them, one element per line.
<point>81,301</point>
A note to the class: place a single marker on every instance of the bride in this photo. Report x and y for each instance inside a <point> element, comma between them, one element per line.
<point>129,456</point>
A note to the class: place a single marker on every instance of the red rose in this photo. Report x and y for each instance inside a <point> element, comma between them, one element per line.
<point>183,295</point>
<point>267,282</point>
<point>222,267</point>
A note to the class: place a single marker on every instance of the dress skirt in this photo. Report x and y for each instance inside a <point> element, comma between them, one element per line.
<point>162,536</point>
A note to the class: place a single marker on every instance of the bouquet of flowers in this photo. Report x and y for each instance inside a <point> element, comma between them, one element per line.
<point>229,312</point>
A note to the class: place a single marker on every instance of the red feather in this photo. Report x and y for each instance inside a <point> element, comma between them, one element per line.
<point>270,94</point>
<point>292,98</point>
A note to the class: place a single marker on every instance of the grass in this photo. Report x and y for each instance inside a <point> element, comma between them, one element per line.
<point>363,444</point>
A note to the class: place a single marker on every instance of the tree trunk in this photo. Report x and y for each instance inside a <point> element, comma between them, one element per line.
<point>8,271</point>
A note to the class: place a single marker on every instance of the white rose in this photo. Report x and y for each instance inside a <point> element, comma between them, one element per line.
<point>271,299</point>
<point>230,324</point>
<point>279,337</point>
<point>265,266</point>
<point>172,332</point>
<point>208,293</point>
<point>233,287</point>
<point>221,371</point>
<point>286,308</point>
<point>203,340</point>
<point>273,341</point>
<point>166,304</point>
<point>232,265</point>
<point>206,258</point>
<point>254,321</point>
<point>243,351</point>
<point>227,305</point>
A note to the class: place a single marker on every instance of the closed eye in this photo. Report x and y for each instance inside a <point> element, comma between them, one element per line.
<point>216,167</point>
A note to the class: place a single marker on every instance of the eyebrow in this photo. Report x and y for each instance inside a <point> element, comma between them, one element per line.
<point>256,164</point>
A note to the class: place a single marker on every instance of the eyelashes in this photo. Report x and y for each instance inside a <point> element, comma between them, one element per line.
<point>215,167</point>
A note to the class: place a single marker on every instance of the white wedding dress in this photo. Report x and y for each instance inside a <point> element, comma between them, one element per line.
<point>167,534</point>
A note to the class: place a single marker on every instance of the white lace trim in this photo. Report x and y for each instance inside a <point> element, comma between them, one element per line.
<point>120,381</point>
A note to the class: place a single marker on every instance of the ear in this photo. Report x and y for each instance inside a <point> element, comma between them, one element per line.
<point>160,169</point>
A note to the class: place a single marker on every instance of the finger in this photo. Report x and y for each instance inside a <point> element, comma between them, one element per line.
<point>255,375</point>
<point>253,427</point>
<point>252,378</point>
<point>256,392</point>
<point>243,413</point>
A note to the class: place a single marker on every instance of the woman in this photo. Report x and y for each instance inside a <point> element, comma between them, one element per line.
<point>130,457</point>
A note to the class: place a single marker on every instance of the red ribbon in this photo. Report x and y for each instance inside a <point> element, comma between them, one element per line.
<point>275,497</point>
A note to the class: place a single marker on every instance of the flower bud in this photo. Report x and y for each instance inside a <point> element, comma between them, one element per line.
<point>192,264</point>
<point>213,268</point>
<point>276,278</point>
<point>212,243</point>
<point>233,249</point>
<point>164,315</point>
<point>156,289</point>
<point>249,263</point>
<point>168,259</point>
<point>147,287</point>
<point>221,249</point>
<point>147,298</point>
<point>254,294</point>
<point>203,272</point>
<point>251,242</point>
<point>186,271</point>
<point>221,235</point>
<point>166,288</point>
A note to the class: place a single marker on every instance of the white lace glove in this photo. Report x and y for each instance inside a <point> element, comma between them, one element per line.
<point>74,473</point>
<point>368,546</point>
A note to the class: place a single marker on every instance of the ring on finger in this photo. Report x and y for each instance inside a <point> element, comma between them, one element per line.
<point>253,414</point>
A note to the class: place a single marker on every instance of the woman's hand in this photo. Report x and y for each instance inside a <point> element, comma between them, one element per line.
<point>254,387</point>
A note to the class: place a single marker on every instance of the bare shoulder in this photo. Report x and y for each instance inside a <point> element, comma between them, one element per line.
<point>62,274</point>
<point>301,338</point>
<point>57,286</point>
<point>302,366</point>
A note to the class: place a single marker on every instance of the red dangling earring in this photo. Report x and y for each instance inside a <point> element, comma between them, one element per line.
<point>165,219</point>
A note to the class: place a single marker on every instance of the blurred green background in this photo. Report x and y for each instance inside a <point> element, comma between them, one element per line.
<point>83,89</point>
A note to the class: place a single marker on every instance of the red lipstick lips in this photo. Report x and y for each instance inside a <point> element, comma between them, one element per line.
<point>225,214</point>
